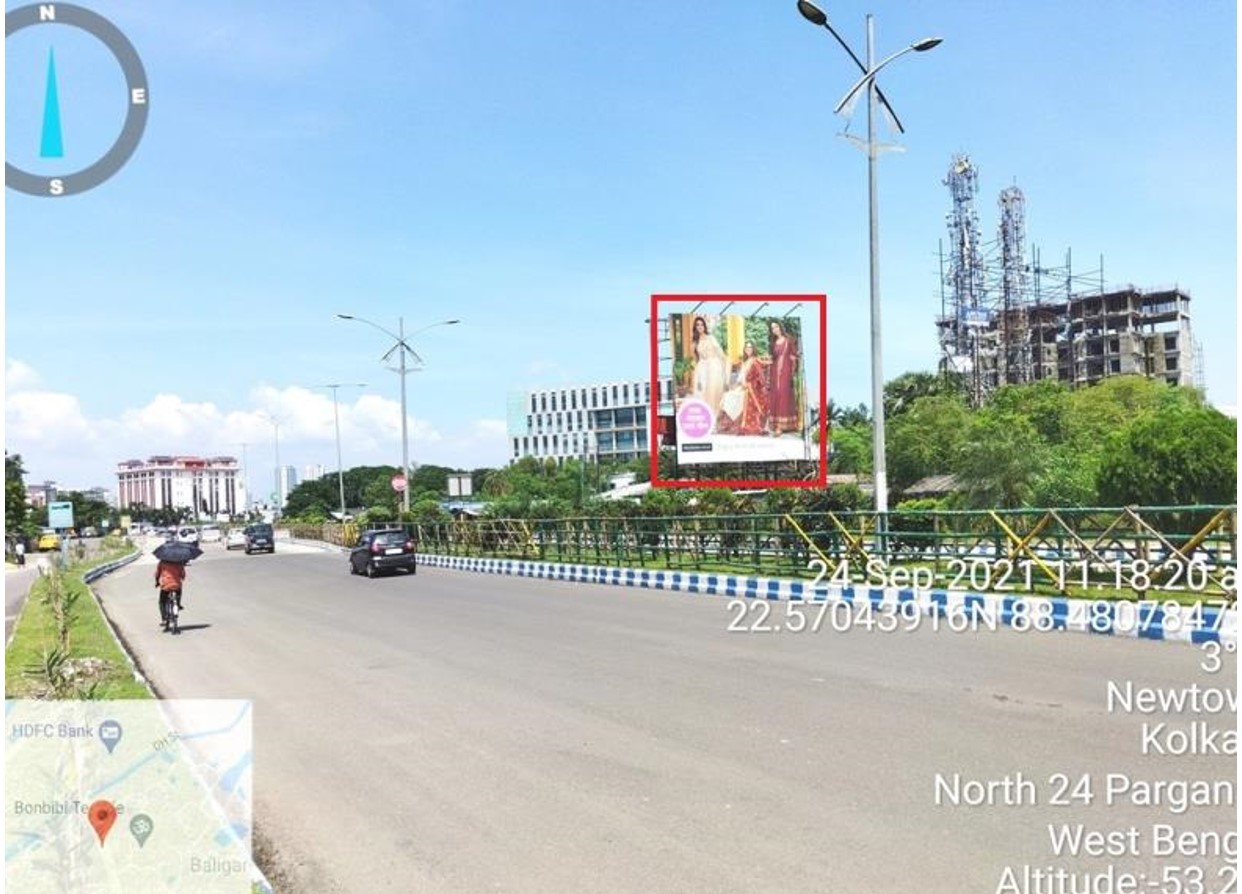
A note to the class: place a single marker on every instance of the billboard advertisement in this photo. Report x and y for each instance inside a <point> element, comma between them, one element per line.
<point>739,388</point>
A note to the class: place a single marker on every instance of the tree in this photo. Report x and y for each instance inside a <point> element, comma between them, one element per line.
<point>87,511</point>
<point>925,439</point>
<point>1177,456</point>
<point>318,497</point>
<point>901,393</point>
<point>850,447</point>
<point>1045,404</point>
<point>855,416</point>
<point>16,512</point>
<point>999,460</point>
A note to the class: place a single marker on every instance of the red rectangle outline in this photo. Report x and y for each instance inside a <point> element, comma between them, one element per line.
<point>654,443</point>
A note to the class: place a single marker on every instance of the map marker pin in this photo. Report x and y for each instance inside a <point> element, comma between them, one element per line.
<point>141,827</point>
<point>102,815</point>
<point>110,734</point>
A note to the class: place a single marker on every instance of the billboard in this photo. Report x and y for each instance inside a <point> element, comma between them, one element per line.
<point>739,387</point>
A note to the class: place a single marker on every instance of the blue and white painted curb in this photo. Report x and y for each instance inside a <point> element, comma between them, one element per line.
<point>969,609</point>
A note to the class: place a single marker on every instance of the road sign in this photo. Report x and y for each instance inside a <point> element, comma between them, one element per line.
<point>398,483</point>
<point>60,515</point>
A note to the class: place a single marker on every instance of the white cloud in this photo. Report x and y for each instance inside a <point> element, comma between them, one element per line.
<point>60,441</point>
<point>18,376</point>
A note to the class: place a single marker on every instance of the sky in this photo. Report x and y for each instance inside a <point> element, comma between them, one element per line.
<point>537,170</point>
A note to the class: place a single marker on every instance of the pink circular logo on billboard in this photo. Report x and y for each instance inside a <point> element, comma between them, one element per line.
<point>694,419</point>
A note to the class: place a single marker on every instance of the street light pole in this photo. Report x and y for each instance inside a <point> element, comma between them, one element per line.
<point>405,437</point>
<point>870,69</point>
<point>336,418</point>
<point>402,369</point>
<point>879,454</point>
<point>276,447</point>
<point>280,497</point>
<point>245,478</point>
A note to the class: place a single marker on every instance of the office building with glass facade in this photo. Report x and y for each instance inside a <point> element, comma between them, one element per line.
<point>595,422</point>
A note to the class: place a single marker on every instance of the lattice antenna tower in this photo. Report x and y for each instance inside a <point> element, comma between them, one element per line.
<point>966,277</point>
<point>1015,327</point>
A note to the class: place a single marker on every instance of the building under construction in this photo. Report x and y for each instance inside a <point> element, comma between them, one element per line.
<point>1005,319</point>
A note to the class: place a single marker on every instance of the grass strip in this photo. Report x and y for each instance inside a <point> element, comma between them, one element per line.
<point>62,647</point>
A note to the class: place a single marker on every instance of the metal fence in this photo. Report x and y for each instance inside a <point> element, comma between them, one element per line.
<point>1182,552</point>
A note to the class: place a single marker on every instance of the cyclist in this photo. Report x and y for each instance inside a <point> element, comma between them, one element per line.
<point>169,578</point>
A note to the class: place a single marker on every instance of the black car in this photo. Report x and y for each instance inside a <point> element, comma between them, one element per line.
<point>260,538</point>
<point>378,551</point>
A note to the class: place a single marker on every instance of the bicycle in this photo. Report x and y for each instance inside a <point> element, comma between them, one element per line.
<point>170,608</point>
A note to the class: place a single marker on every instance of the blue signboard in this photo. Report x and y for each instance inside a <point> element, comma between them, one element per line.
<point>976,316</point>
<point>60,515</point>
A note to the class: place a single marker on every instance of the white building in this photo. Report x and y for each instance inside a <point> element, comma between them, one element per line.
<point>286,481</point>
<point>595,422</point>
<point>206,487</point>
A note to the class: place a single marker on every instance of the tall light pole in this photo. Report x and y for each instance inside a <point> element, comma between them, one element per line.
<point>336,417</point>
<point>402,348</point>
<point>245,477</point>
<point>869,69</point>
<point>280,503</point>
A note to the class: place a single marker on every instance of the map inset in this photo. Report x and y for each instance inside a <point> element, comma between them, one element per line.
<point>120,797</point>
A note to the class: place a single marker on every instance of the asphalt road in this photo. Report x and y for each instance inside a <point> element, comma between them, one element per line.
<point>453,732</point>
<point>17,583</point>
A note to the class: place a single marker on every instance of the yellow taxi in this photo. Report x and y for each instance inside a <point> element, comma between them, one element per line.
<point>48,539</point>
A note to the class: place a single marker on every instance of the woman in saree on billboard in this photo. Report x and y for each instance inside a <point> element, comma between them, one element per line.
<point>709,365</point>
<point>782,379</point>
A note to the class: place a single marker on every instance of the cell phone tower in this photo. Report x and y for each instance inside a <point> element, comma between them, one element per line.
<point>1015,354</point>
<point>964,342</point>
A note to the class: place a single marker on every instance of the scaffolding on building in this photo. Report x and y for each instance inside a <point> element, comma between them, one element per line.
<point>1004,318</point>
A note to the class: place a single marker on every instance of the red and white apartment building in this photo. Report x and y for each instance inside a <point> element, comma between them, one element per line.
<point>206,486</point>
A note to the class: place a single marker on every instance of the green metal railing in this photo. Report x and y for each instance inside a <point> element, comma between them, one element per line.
<point>1183,552</point>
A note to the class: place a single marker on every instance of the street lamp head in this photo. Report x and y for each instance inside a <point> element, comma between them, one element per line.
<point>926,44</point>
<point>345,316</point>
<point>812,13</point>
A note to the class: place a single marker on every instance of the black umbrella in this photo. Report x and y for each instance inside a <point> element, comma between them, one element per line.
<point>177,552</point>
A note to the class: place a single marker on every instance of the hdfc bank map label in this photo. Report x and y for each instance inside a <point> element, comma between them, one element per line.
<point>114,797</point>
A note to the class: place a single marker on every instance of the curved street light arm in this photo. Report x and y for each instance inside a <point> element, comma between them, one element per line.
<point>863,68</point>
<point>870,76</point>
<point>387,332</point>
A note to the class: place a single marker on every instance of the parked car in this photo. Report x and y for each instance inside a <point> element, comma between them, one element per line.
<point>48,539</point>
<point>385,550</point>
<point>187,535</point>
<point>235,539</point>
<point>260,538</point>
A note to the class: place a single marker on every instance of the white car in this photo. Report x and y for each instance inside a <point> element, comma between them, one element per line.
<point>236,539</point>
<point>209,534</point>
<point>187,535</point>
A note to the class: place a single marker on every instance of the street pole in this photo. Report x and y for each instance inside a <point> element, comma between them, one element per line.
<point>340,466</point>
<point>870,69</point>
<point>405,437</point>
<point>245,480</point>
<point>402,370</point>
<point>879,461</point>
<point>280,502</point>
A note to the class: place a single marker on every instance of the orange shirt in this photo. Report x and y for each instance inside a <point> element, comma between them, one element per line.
<point>169,575</point>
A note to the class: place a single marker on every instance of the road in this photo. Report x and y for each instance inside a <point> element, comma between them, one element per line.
<point>453,732</point>
<point>17,583</point>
